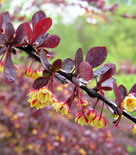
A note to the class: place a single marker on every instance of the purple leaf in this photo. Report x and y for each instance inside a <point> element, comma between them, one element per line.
<point>85,71</point>
<point>108,83</point>
<point>28,31</point>
<point>122,91</point>
<point>41,27</point>
<point>6,19</point>
<point>117,93</point>
<point>3,39</point>
<point>133,89</point>
<point>9,31</point>
<point>40,82</point>
<point>56,66</point>
<point>44,60</point>
<point>106,76</point>
<point>68,65</point>
<point>39,15</point>
<point>78,58</point>
<point>19,35</point>
<point>112,66</point>
<point>1,20</point>
<point>96,56</point>
<point>100,71</point>
<point>9,68</point>
<point>52,41</point>
<point>2,50</point>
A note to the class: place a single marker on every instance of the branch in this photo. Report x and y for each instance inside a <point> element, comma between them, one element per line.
<point>91,92</point>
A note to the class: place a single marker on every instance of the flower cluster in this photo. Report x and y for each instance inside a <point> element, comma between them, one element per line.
<point>90,118</point>
<point>43,97</point>
<point>129,103</point>
<point>34,74</point>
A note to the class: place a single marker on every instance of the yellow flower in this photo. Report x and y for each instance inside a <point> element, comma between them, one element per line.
<point>129,103</point>
<point>134,129</point>
<point>28,72</point>
<point>91,115</point>
<point>99,122</point>
<point>40,98</point>
<point>36,74</point>
<point>81,119</point>
<point>2,1</point>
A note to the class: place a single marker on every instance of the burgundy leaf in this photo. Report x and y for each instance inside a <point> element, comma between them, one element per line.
<point>19,35</point>
<point>52,41</point>
<point>56,66</point>
<point>100,71</point>
<point>1,20</point>
<point>41,27</point>
<point>9,68</point>
<point>96,56</point>
<point>40,82</point>
<point>133,89</point>
<point>122,91</point>
<point>6,19</point>
<point>2,50</point>
<point>28,31</point>
<point>112,66</point>
<point>9,31</point>
<point>117,93</point>
<point>68,65</point>
<point>106,88</point>
<point>78,58</point>
<point>106,76</point>
<point>3,39</point>
<point>108,83</point>
<point>85,71</point>
<point>44,60</point>
<point>39,15</point>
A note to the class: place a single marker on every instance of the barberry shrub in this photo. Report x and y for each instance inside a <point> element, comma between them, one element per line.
<point>34,39</point>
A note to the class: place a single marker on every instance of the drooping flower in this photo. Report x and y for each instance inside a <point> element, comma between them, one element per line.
<point>36,74</point>
<point>62,107</point>
<point>129,103</point>
<point>91,115</point>
<point>81,119</point>
<point>99,122</point>
<point>1,67</point>
<point>28,72</point>
<point>40,98</point>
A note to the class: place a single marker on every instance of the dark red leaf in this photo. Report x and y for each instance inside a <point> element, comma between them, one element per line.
<point>19,35</point>
<point>39,15</point>
<point>108,83</point>
<point>3,39</point>
<point>106,76</point>
<point>6,19</point>
<point>52,41</point>
<point>78,58</point>
<point>2,50</point>
<point>56,66</point>
<point>85,71</point>
<point>41,27</point>
<point>96,56</point>
<point>28,31</point>
<point>9,68</point>
<point>9,31</point>
<point>117,93</point>
<point>44,60</point>
<point>40,82</point>
<point>112,66</point>
<point>133,89</point>
<point>1,20</point>
<point>106,88</point>
<point>100,71</point>
<point>123,91</point>
<point>68,65</point>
